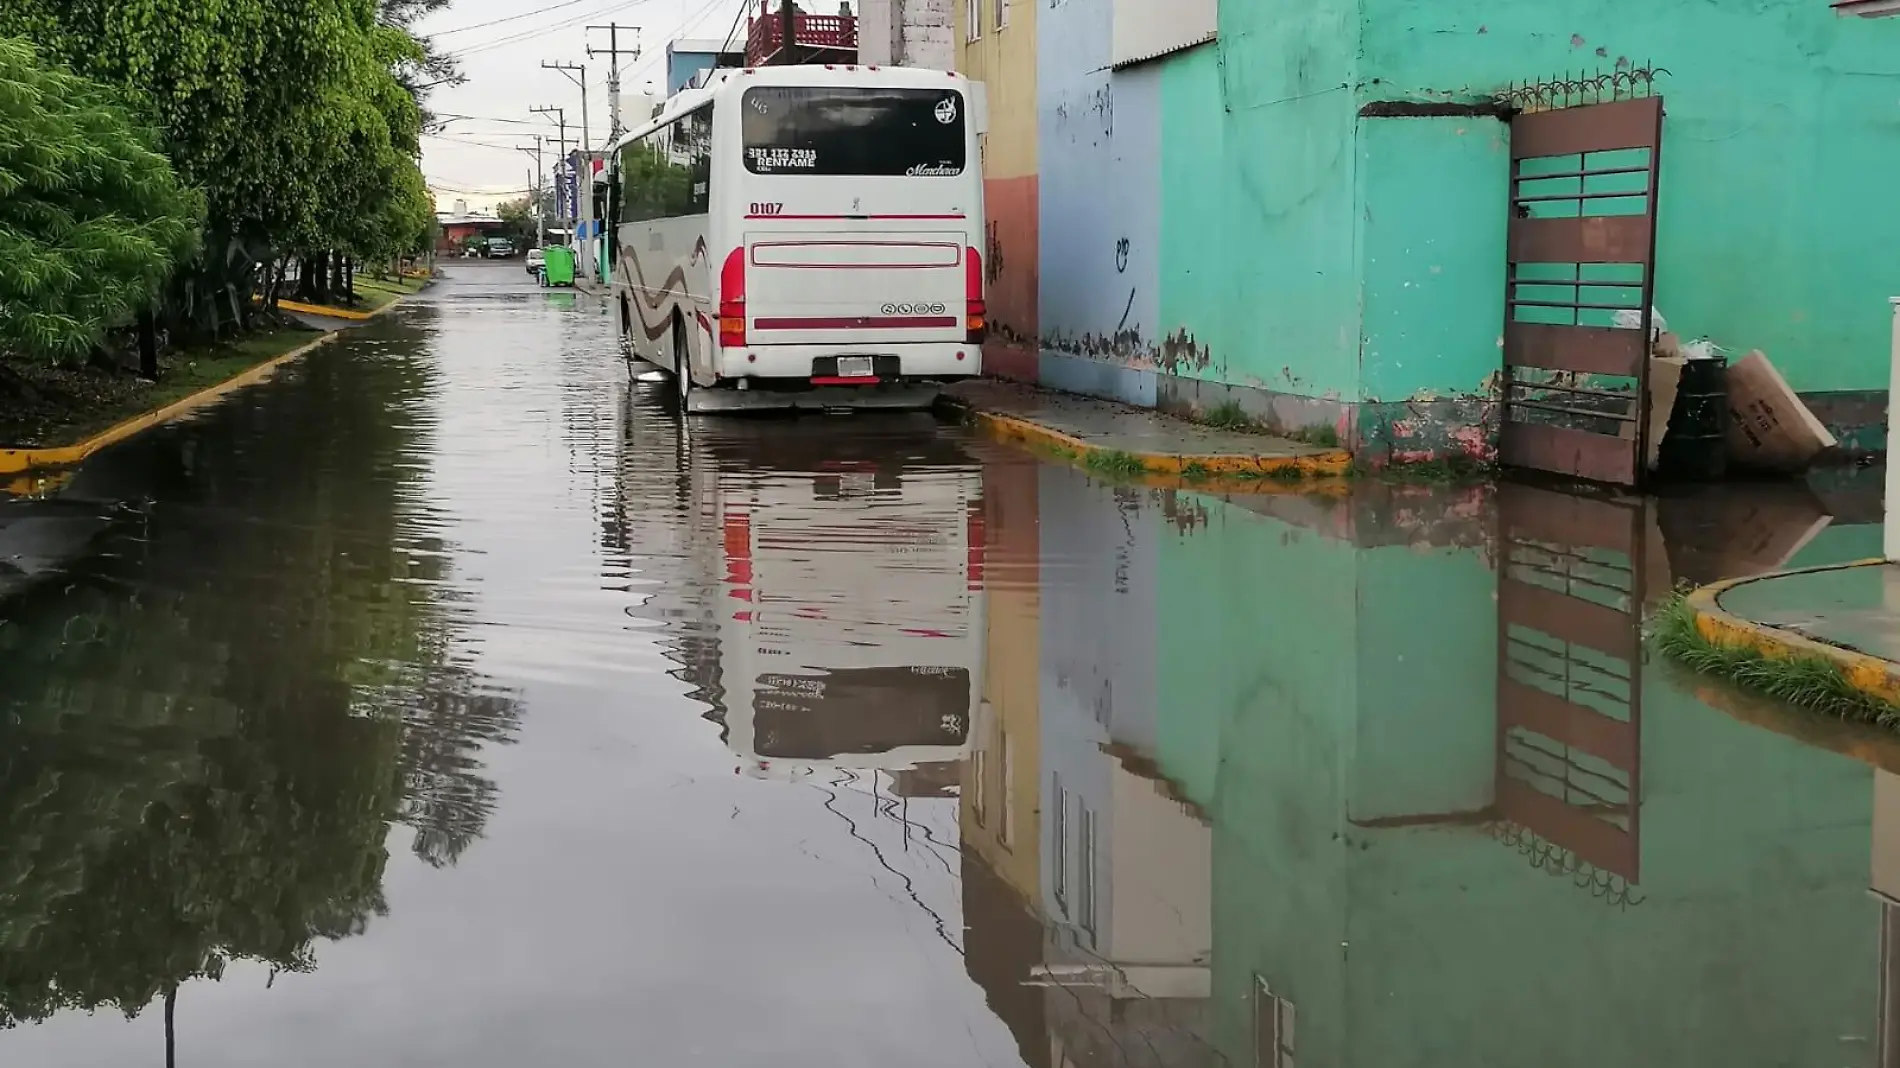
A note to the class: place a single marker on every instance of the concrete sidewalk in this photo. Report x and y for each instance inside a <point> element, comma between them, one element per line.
<point>1848,615</point>
<point>1095,431</point>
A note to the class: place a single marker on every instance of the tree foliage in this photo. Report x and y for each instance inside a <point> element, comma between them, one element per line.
<point>92,217</point>
<point>299,119</point>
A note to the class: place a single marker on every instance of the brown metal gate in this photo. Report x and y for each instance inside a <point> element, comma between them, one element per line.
<point>1569,763</point>
<point>1581,249</point>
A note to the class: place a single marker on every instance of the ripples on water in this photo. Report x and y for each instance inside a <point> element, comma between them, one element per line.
<point>453,708</point>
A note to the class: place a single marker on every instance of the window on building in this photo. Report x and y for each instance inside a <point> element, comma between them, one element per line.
<point>1085,871</point>
<point>973,19</point>
<point>1059,878</point>
<point>1272,1028</point>
<point>1006,833</point>
<point>1002,13</point>
<point>979,787</point>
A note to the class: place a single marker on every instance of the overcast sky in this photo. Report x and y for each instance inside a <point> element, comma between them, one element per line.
<point>475,159</point>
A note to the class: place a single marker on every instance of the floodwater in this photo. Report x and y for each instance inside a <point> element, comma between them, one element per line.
<point>439,704</point>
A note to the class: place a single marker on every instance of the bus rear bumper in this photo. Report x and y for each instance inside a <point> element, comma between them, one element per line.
<point>933,359</point>
<point>906,396</point>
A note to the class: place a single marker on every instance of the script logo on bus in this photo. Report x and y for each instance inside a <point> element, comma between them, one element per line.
<point>913,309</point>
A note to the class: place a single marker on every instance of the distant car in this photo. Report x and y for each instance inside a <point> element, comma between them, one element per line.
<point>500,248</point>
<point>536,259</point>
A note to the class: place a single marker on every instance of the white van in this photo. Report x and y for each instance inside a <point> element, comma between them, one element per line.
<point>805,236</point>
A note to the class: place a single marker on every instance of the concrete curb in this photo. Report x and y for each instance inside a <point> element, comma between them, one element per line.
<point>346,314</point>
<point>19,461</point>
<point>1224,471</point>
<point>1869,674</point>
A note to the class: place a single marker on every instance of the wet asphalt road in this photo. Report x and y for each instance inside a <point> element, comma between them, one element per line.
<point>437,703</point>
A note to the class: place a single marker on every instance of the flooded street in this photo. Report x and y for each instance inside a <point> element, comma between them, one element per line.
<point>438,703</point>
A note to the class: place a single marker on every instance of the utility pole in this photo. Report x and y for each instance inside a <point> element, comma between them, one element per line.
<point>560,116</point>
<point>576,73</point>
<point>535,190</point>
<point>788,35</point>
<point>613,52</point>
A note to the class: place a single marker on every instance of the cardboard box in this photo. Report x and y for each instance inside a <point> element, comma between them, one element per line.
<point>1769,428</point>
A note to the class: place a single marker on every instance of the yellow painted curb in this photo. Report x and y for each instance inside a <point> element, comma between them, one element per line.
<point>1869,674</point>
<point>1222,470</point>
<point>348,314</point>
<point>333,313</point>
<point>16,461</point>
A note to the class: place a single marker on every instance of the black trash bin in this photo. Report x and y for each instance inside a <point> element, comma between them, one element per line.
<point>1695,448</point>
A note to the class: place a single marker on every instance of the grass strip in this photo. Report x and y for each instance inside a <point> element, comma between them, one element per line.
<point>1811,682</point>
<point>52,407</point>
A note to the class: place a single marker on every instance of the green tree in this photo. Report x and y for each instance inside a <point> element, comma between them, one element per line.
<point>524,227</point>
<point>298,118</point>
<point>92,218</point>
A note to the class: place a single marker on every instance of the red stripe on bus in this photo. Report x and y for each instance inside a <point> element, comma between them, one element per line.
<point>854,217</point>
<point>861,322</point>
<point>838,380</point>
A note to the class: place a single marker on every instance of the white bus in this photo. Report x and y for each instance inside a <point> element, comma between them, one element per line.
<point>804,237</point>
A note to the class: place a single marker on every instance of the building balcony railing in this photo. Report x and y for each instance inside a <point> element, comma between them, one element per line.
<point>815,38</point>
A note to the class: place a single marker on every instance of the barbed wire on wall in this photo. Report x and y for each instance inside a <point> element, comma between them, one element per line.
<point>1558,862</point>
<point>1570,90</point>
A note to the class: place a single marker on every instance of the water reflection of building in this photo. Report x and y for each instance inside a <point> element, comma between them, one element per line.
<point>1453,814</point>
<point>1457,817</point>
<point>1126,860</point>
<point>1000,788</point>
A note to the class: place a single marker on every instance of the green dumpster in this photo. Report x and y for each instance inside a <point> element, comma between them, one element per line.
<point>558,267</point>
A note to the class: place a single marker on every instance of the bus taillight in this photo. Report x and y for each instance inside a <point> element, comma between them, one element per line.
<point>732,300</point>
<point>976,312</point>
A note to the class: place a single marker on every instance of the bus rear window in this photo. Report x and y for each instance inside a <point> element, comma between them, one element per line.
<point>840,130</point>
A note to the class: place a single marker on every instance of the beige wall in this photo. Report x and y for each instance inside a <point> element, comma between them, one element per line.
<point>1011,709</point>
<point>1004,60</point>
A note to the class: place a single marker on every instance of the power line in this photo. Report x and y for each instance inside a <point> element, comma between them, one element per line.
<point>692,22</point>
<point>472,141</point>
<point>508,18</point>
<point>529,35</point>
<point>488,118</point>
<point>744,6</point>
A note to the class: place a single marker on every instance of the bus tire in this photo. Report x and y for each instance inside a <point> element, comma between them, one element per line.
<point>682,366</point>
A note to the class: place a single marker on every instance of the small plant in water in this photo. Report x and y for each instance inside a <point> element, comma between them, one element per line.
<point>1810,682</point>
<point>1115,462</point>
<point>1196,471</point>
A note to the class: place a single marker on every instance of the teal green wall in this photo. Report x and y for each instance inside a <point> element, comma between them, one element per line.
<point>1754,942</point>
<point>1782,122</point>
<point>1432,208</point>
<point>1258,257</point>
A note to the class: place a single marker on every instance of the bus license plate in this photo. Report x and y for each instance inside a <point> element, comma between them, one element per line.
<point>854,367</point>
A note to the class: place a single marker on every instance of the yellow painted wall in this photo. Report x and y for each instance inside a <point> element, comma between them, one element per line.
<point>1004,60</point>
<point>1013,651</point>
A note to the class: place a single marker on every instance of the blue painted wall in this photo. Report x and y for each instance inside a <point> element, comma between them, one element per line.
<point>1100,204</point>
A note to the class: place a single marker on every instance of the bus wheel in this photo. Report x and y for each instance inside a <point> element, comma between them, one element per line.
<point>682,367</point>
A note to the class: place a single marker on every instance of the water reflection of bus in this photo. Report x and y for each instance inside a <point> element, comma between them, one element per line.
<point>838,591</point>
